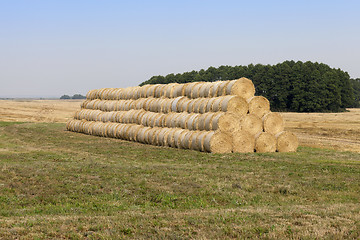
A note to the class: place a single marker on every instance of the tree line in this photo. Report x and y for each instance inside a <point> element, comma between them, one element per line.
<point>289,86</point>
<point>75,96</point>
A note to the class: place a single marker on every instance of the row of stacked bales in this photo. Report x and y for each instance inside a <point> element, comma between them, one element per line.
<point>218,117</point>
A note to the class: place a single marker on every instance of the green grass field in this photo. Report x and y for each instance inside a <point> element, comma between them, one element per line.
<point>59,184</point>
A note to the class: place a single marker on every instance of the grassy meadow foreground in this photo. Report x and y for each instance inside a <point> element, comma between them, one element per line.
<point>56,184</point>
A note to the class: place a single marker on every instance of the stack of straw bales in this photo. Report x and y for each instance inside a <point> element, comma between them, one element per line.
<point>218,117</point>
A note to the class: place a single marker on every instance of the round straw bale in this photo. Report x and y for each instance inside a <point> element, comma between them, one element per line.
<point>198,103</point>
<point>265,142</point>
<point>199,144</point>
<point>141,135</point>
<point>118,93</point>
<point>133,132</point>
<point>273,123</point>
<point>143,90</point>
<point>204,89</point>
<point>89,94</point>
<point>190,106</point>
<point>234,104</point>
<point>191,123</point>
<point>216,106</point>
<point>174,103</point>
<point>147,135</point>
<point>243,141</point>
<point>151,90</point>
<point>160,139</point>
<point>109,94</point>
<point>130,92</point>
<point>175,121</point>
<point>135,116</point>
<point>214,89</point>
<point>286,142</point>
<point>217,142</point>
<point>110,130</point>
<point>154,105</point>
<point>140,116</point>
<point>179,104</point>
<point>194,143</point>
<point>152,135</point>
<point>85,103</point>
<point>132,104</point>
<point>177,137</point>
<point>168,119</point>
<point>157,91</point>
<point>167,90</point>
<point>187,89</point>
<point>137,93</point>
<point>77,114</point>
<point>182,119</point>
<point>144,118</point>
<point>166,108</point>
<point>113,116</point>
<point>139,103</point>
<point>148,103</point>
<point>250,123</point>
<point>259,106</point>
<point>166,134</point>
<point>152,119</point>
<point>195,90</point>
<point>201,121</point>
<point>225,122</point>
<point>242,87</point>
<point>157,136</point>
<point>186,139</point>
<point>222,88</point>
<point>187,118</point>
<point>159,120</point>
<point>170,137</point>
<point>208,121</point>
<point>184,105</point>
<point>177,91</point>
<point>101,93</point>
<point>210,103</point>
<point>203,104</point>
<point>118,116</point>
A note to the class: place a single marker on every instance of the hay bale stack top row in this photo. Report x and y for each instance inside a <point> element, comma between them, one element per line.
<point>219,117</point>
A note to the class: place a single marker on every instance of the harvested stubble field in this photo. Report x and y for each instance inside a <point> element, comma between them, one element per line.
<point>59,184</point>
<point>338,131</point>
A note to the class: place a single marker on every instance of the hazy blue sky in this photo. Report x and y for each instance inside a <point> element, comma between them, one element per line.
<point>50,48</point>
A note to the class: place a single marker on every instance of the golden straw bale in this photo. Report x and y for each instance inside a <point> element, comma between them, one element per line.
<point>251,123</point>
<point>177,137</point>
<point>213,92</point>
<point>265,142</point>
<point>177,91</point>
<point>273,123</point>
<point>234,104</point>
<point>242,87</point>
<point>222,88</point>
<point>185,139</point>
<point>204,89</point>
<point>243,141</point>
<point>259,106</point>
<point>217,142</point>
<point>216,106</point>
<point>195,90</point>
<point>286,142</point>
<point>225,122</point>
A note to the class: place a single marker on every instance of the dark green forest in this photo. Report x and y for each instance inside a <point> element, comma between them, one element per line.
<point>289,86</point>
